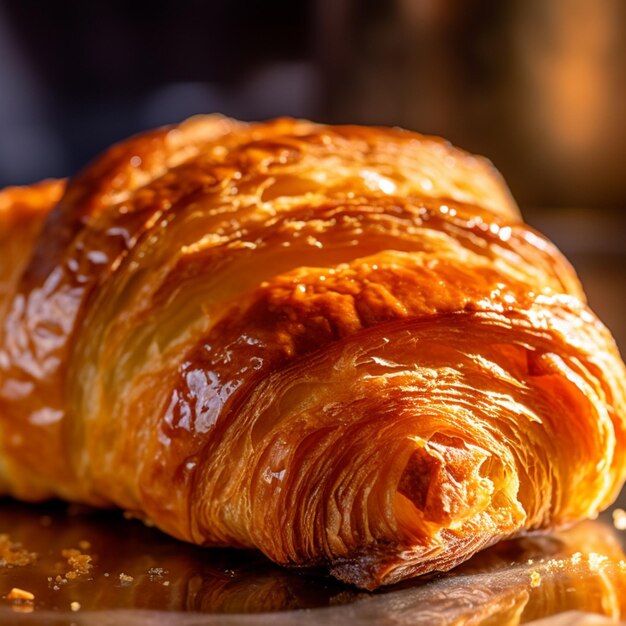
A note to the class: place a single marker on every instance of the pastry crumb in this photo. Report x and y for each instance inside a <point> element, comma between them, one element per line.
<point>20,594</point>
<point>80,563</point>
<point>125,579</point>
<point>13,554</point>
<point>75,606</point>
<point>156,573</point>
<point>619,519</point>
<point>535,579</point>
<point>22,601</point>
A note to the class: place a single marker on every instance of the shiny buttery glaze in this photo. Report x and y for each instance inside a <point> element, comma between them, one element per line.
<point>339,345</point>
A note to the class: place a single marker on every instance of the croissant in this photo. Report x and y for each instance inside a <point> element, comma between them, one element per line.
<point>341,346</point>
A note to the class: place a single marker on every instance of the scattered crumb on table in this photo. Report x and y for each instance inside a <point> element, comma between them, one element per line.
<point>21,600</point>
<point>12,554</point>
<point>79,562</point>
<point>20,594</point>
<point>619,519</point>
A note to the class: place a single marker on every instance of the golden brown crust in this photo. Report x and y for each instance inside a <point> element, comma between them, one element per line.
<point>22,214</point>
<point>338,345</point>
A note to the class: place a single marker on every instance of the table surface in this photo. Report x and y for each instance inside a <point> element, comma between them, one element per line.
<point>140,576</point>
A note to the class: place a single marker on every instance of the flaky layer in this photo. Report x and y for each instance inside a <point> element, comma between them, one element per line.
<point>338,345</point>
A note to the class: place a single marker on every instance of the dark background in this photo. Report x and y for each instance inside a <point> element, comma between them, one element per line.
<point>539,86</point>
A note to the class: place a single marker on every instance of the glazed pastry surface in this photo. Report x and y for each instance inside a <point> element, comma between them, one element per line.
<point>341,346</point>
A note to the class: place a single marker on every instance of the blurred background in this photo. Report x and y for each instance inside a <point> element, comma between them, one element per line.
<point>539,86</point>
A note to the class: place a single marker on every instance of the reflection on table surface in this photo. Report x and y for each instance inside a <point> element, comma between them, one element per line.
<point>139,576</point>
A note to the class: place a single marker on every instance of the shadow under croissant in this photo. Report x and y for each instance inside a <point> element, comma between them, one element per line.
<point>137,575</point>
